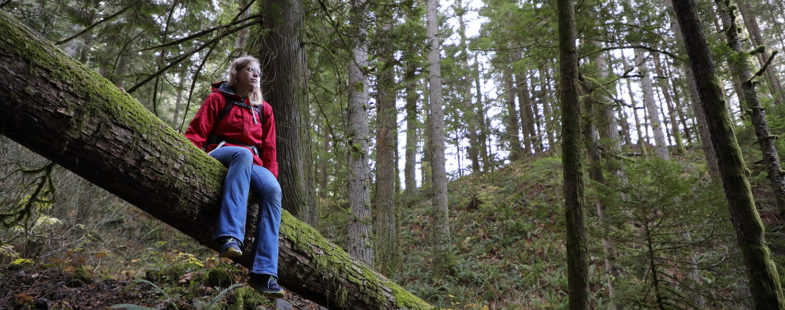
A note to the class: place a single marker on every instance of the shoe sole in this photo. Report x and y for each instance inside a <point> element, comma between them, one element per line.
<point>278,294</point>
<point>231,253</point>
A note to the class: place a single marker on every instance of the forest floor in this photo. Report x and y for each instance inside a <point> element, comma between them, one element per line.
<point>37,286</point>
<point>507,253</point>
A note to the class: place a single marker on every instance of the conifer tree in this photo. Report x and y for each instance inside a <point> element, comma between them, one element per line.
<point>574,204</point>
<point>761,272</point>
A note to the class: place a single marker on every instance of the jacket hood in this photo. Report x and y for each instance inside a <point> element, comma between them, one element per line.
<point>223,87</point>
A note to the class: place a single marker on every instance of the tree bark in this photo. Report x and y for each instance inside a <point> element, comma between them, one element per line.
<point>360,241</point>
<point>761,272</point>
<point>441,225</point>
<point>574,204</point>
<point>85,124</point>
<point>283,63</point>
<point>388,256</point>
<point>741,69</point>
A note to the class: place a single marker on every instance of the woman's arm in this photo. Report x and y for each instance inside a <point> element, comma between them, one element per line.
<point>268,152</point>
<point>202,123</point>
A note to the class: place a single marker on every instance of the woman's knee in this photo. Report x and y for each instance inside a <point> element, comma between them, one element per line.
<point>266,184</point>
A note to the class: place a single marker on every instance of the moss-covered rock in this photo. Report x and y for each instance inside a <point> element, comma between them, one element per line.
<point>219,277</point>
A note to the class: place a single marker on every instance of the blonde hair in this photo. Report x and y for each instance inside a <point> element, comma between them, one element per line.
<point>240,64</point>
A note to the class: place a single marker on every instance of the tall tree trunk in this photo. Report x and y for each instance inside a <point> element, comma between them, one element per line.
<point>85,124</point>
<point>651,106</point>
<point>427,154</point>
<point>411,130</point>
<point>671,108</point>
<point>595,173</point>
<point>360,240</point>
<point>546,106</point>
<point>741,69</point>
<point>527,116</point>
<point>512,117</point>
<point>700,118</point>
<point>283,62</point>
<point>441,225</point>
<point>761,272</point>
<point>323,165</point>
<point>771,74</point>
<point>388,257</point>
<point>480,114</point>
<point>574,204</point>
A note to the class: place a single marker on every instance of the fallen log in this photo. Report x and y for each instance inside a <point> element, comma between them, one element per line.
<point>71,115</point>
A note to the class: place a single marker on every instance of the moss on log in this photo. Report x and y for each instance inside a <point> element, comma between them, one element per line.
<point>68,113</point>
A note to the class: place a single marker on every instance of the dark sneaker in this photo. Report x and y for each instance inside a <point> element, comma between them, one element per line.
<point>230,248</point>
<point>266,284</point>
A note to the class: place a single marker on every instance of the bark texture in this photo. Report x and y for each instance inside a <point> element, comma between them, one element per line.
<point>441,225</point>
<point>574,204</point>
<point>761,272</point>
<point>283,64</point>
<point>68,113</point>
<point>360,242</point>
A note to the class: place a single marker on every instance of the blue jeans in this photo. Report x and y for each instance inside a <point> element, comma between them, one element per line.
<point>242,175</point>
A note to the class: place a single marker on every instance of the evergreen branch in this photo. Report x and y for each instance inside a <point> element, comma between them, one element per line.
<point>193,84</point>
<point>764,68</point>
<point>199,34</point>
<point>640,46</point>
<point>187,55</point>
<point>108,18</point>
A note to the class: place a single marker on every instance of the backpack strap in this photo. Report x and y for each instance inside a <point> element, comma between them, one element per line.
<point>214,138</point>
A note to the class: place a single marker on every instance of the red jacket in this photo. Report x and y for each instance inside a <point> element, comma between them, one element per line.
<point>240,124</point>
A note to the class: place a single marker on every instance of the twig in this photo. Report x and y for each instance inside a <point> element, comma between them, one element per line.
<point>98,23</point>
<point>765,66</point>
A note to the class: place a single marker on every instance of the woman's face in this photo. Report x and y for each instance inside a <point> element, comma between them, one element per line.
<point>248,77</point>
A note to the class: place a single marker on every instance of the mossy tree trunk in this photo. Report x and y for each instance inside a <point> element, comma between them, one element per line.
<point>574,204</point>
<point>762,274</point>
<point>70,114</point>
<point>741,69</point>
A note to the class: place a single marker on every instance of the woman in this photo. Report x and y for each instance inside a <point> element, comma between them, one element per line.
<point>236,127</point>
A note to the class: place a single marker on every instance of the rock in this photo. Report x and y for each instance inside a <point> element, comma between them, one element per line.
<point>282,304</point>
<point>42,304</point>
<point>219,277</point>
